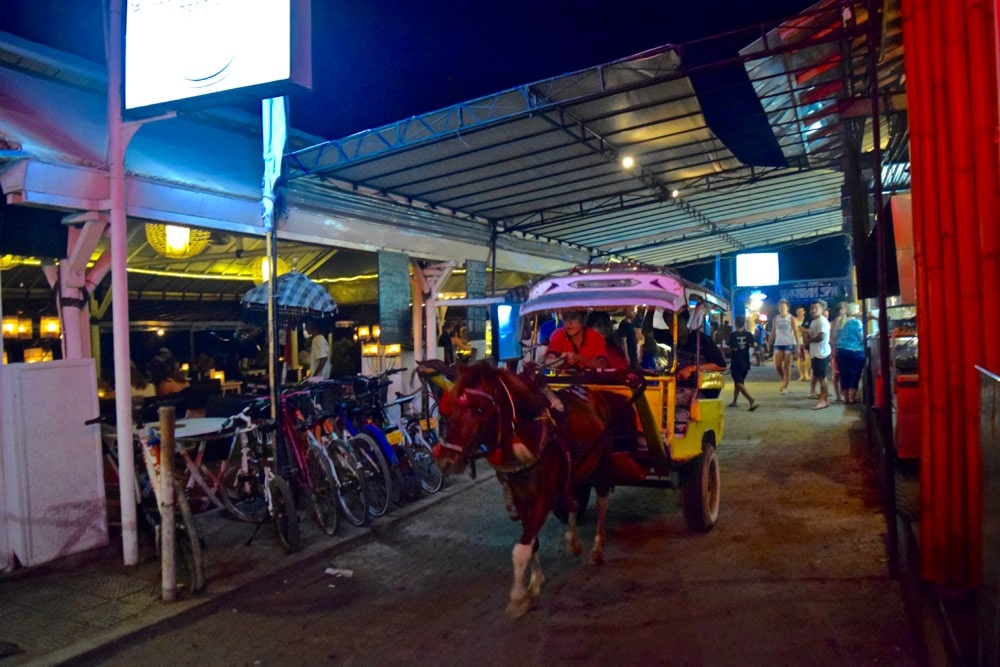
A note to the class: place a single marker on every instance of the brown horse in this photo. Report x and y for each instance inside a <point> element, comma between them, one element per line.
<point>541,444</point>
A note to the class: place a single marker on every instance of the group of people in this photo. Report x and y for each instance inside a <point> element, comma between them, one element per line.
<point>831,348</point>
<point>593,341</point>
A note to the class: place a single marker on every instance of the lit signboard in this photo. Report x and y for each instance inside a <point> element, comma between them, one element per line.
<point>757,269</point>
<point>179,52</point>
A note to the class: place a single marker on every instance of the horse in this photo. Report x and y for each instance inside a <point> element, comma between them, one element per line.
<point>541,444</point>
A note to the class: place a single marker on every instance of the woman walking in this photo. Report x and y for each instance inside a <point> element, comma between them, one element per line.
<point>851,353</point>
<point>784,342</point>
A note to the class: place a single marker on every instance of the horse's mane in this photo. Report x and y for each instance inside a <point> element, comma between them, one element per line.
<point>529,400</point>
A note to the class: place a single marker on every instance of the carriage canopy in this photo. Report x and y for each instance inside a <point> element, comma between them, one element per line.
<point>615,286</point>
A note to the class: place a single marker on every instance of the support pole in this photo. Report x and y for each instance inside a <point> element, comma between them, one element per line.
<point>168,519</point>
<point>119,288</point>
<point>885,413</point>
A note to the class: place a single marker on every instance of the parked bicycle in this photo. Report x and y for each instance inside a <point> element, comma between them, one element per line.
<point>324,466</point>
<point>249,487</point>
<point>187,541</point>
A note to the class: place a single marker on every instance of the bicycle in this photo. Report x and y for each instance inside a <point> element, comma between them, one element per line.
<point>249,489</point>
<point>336,395</point>
<point>328,471</point>
<point>372,411</point>
<point>350,480</point>
<point>187,542</point>
<point>419,439</point>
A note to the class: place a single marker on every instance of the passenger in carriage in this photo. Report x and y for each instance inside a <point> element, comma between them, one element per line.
<point>697,350</point>
<point>575,345</point>
<point>600,322</point>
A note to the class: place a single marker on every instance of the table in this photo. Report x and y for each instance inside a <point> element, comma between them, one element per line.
<point>235,386</point>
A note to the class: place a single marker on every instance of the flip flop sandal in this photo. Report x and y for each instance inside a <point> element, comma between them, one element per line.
<point>753,406</point>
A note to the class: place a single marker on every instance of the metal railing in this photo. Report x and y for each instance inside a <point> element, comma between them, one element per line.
<point>988,599</point>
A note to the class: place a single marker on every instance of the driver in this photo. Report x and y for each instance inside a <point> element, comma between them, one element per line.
<point>576,345</point>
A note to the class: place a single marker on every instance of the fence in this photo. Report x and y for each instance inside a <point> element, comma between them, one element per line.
<point>989,595</point>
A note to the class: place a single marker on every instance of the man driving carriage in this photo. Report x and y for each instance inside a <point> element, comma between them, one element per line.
<point>575,345</point>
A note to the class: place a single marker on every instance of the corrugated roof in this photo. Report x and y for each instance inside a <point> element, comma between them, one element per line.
<point>544,159</point>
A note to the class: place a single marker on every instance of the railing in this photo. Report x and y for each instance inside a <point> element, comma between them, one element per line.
<point>989,594</point>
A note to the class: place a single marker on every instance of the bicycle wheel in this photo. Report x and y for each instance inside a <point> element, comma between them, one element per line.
<point>431,478</point>
<point>410,481</point>
<point>324,490</point>
<point>188,543</point>
<point>283,514</point>
<point>242,492</point>
<point>351,489</point>
<point>378,479</point>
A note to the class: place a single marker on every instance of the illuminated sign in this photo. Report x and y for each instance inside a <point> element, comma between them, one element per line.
<point>179,50</point>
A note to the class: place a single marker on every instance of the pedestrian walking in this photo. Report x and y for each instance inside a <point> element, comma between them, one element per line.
<point>741,342</point>
<point>851,353</point>
<point>784,342</point>
<point>819,351</point>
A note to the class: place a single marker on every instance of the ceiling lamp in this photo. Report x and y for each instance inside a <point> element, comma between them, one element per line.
<point>175,242</point>
<point>261,269</point>
<point>10,326</point>
<point>49,326</point>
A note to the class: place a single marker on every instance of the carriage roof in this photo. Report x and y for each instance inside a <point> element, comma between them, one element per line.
<point>614,286</point>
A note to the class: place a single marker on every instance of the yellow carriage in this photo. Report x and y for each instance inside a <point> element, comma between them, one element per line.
<point>679,413</point>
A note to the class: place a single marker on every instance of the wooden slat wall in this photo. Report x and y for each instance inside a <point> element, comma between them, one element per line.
<point>951,76</point>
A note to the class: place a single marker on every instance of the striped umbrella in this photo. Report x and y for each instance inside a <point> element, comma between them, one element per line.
<point>296,298</point>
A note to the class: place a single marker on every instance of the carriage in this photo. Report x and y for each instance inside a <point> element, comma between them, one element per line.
<point>678,409</point>
<point>550,435</point>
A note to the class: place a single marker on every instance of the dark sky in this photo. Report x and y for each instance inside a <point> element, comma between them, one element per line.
<point>379,61</point>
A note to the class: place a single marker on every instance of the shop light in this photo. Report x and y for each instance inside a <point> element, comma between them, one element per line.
<point>628,162</point>
<point>49,327</point>
<point>34,355</point>
<point>25,328</point>
<point>370,350</point>
<point>10,326</point>
<point>364,333</point>
<point>393,350</point>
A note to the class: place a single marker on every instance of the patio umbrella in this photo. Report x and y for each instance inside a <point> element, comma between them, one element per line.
<point>296,298</point>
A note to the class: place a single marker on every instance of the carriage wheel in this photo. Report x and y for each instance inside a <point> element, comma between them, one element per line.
<point>701,490</point>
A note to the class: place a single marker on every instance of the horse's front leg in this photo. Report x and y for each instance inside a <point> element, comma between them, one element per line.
<point>597,553</point>
<point>520,600</point>
<point>572,538</point>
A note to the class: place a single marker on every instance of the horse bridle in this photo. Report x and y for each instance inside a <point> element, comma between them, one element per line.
<point>483,450</point>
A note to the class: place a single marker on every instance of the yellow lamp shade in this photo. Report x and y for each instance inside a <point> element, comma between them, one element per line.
<point>370,350</point>
<point>49,327</point>
<point>176,242</point>
<point>393,350</point>
<point>33,355</point>
<point>10,326</point>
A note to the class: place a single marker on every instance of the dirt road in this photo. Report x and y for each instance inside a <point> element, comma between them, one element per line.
<point>793,574</point>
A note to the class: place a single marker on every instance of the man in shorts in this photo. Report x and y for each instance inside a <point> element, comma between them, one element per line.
<point>740,343</point>
<point>819,350</point>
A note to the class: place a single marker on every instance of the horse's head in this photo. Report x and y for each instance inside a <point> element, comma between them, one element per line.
<point>473,416</point>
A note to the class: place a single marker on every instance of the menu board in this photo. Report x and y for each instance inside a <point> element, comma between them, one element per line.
<point>394,297</point>
<point>475,288</point>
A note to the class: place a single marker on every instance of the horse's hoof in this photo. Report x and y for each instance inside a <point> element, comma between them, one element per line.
<point>518,608</point>
<point>576,549</point>
<point>596,559</point>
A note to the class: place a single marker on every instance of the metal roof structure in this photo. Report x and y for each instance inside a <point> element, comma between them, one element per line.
<point>540,162</point>
<point>543,160</point>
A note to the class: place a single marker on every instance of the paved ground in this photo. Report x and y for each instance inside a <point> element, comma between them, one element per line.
<point>67,609</point>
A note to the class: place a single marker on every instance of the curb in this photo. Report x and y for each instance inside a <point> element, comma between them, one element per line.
<point>173,614</point>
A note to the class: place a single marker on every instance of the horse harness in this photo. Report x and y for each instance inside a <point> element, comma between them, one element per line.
<point>494,453</point>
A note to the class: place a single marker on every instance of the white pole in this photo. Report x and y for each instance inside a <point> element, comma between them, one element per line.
<point>119,289</point>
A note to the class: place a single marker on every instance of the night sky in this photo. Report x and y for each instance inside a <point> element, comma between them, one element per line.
<point>379,61</point>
